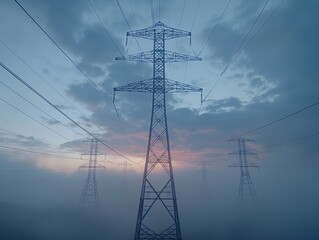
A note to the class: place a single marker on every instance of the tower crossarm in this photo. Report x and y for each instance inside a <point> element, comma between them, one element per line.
<point>179,57</point>
<point>171,86</point>
<point>148,56</point>
<point>96,166</point>
<point>139,86</point>
<point>243,152</point>
<point>240,166</point>
<point>159,27</point>
<point>241,139</point>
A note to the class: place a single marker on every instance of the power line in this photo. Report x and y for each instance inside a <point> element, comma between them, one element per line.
<point>159,10</point>
<point>289,141</point>
<point>249,41</point>
<point>196,12</point>
<point>152,11</point>
<point>123,14</point>
<point>107,32</point>
<point>105,29</point>
<point>276,121</point>
<point>179,25</point>
<point>128,24</point>
<point>238,50</point>
<point>133,13</point>
<point>214,28</point>
<point>183,10</point>
<point>280,119</point>
<point>200,107</point>
<point>64,53</point>
<point>20,135</point>
<point>36,73</point>
<point>292,124</point>
<point>121,123</point>
<point>233,58</point>
<point>8,131</point>
<point>37,121</point>
<point>260,27</point>
<point>38,153</point>
<point>116,111</point>
<point>31,171</point>
<point>60,111</point>
<point>213,87</point>
<point>207,68</point>
<point>39,108</point>
<point>186,68</point>
<point>193,127</point>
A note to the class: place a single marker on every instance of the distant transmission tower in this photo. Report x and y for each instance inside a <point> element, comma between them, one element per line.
<point>125,169</point>
<point>246,187</point>
<point>158,215</point>
<point>204,165</point>
<point>90,195</point>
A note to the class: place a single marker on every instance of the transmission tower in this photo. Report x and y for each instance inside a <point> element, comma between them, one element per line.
<point>125,170</point>
<point>158,215</point>
<point>90,195</point>
<point>204,164</point>
<point>204,172</point>
<point>246,187</point>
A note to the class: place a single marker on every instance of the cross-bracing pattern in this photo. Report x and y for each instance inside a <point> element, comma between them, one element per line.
<point>246,187</point>
<point>158,214</point>
<point>125,170</point>
<point>90,195</point>
<point>204,165</point>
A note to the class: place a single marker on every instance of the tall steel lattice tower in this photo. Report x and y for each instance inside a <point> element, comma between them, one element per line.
<point>90,195</point>
<point>125,170</point>
<point>204,165</point>
<point>246,187</point>
<point>158,215</point>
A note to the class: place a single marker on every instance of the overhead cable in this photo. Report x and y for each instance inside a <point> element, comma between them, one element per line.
<point>64,53</point>
<point>280,119</point>
<point>37,121</point>
<point>38,153</point>
<point>105,29</point>
<point>60,111</point>
<point>128,24</point>
<point>214,28</point>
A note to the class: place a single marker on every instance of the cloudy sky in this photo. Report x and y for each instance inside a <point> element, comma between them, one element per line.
<point>259,66</point>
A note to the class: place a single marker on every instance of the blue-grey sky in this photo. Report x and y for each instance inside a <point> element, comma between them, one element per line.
<point>273,75</point>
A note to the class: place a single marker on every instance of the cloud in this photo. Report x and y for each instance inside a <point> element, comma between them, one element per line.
<point>274,76</point>
<point>51,121</point>
<point>265,72</point>
<point>86,40</point>
<point>224,105</point>
<point>24,141</point>
<point>278,65</point>
<point>88,94</point>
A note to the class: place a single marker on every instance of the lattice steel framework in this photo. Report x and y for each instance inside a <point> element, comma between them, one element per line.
<point>246,187</point>
<point>125,170</point>
<point>90,195</point>
<point>158,214</point>
<point>204,165</point>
